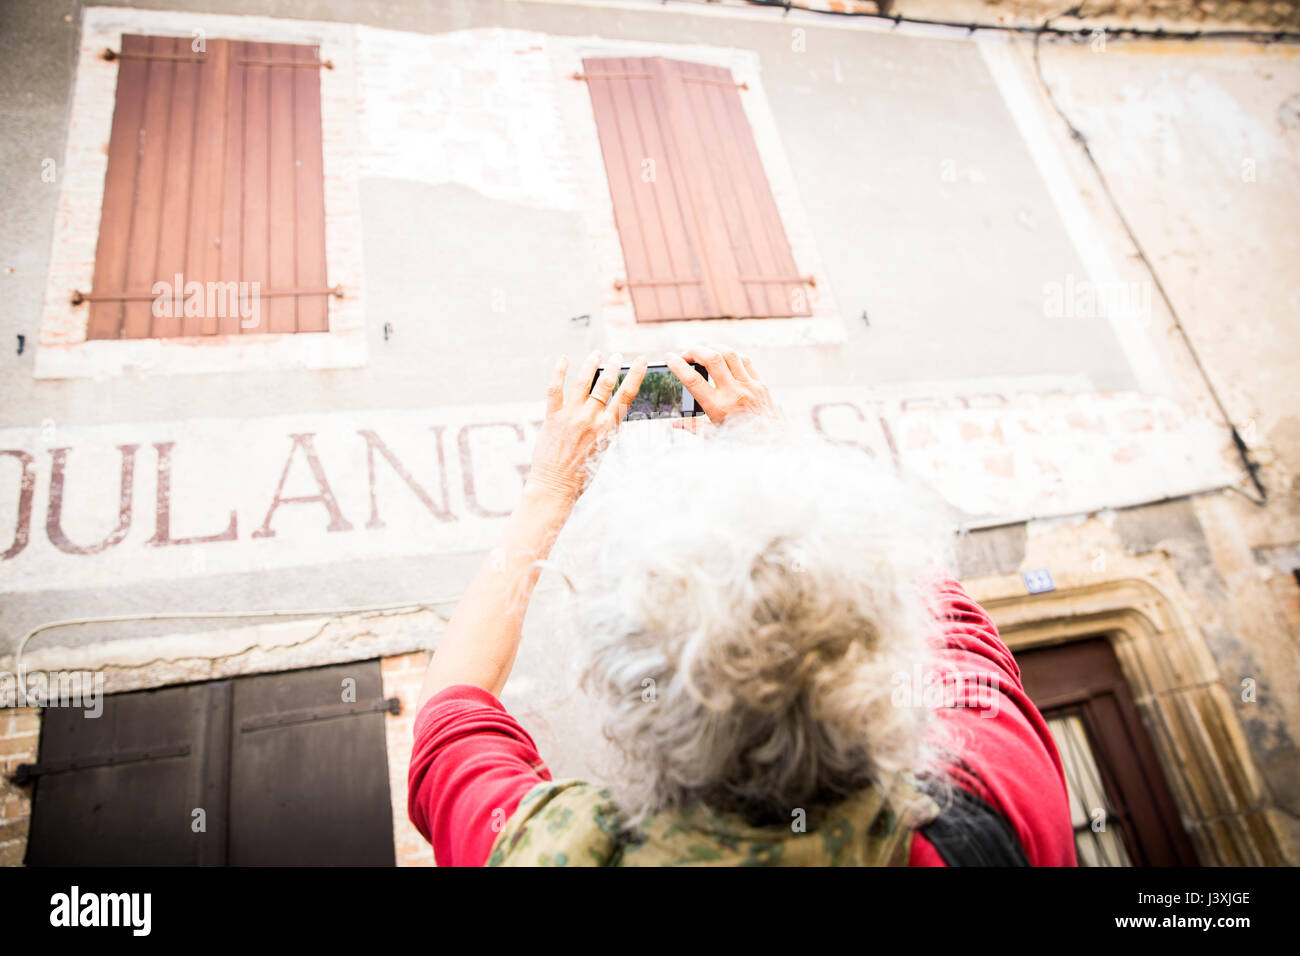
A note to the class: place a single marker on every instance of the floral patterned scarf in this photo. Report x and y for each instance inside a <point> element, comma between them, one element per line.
<point>572,823</point>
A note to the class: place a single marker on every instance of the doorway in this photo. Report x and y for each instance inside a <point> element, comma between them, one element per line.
<point>1120,804</point>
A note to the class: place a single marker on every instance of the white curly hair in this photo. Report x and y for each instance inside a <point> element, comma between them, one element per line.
<point>741,605</point>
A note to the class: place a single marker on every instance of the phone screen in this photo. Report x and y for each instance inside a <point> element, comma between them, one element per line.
<point>661,394</point>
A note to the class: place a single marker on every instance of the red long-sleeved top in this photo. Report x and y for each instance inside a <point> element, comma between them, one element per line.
<point>473,762</point>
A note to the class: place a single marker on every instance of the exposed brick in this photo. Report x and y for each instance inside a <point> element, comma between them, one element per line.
<point>1003,465</point>
<point>11,853</point>
<point>1138,419</point>
<point>1127,453</point>
<point>14,830</point>
<point>25,720</point>
<point>405,663</point>
<point>19,746</point>
<point>15,807</point>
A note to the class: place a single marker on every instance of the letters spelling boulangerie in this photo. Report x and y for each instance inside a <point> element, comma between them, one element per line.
<point>86,506</point>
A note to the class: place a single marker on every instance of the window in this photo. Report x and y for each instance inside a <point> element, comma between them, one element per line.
<point>1120,804</point>
<point>1090,805</point>
<point>283,771</point>
<point>213,220</point>
<point>700,231</point>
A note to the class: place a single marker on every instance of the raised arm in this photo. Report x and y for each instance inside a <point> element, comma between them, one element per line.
<point>479,644</point>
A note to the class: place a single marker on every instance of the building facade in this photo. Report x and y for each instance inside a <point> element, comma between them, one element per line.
<point>1051,279</point>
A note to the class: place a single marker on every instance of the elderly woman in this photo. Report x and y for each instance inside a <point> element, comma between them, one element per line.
<point>762,627</point>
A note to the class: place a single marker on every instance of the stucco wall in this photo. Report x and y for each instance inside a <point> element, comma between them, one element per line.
<point>1202,150</point>
<point>925,173</point>
<point>939,226</point>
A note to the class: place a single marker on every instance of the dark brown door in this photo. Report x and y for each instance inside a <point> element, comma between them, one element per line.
<point>1123,811</point>
<point>275,769</point>
<point>309,773</point>
<point>121,789</point>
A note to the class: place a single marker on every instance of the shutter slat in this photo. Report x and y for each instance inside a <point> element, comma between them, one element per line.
<point>203,256</point>
<point>105,320</point>
<point>146,222</point>
<point>177,191</point>
<point>612,104</point>
<point>731,251</point>
<point>282,312</point>
<point>634,109</point>
<point>673,205</point>
<point>313,311</point>
<point>766,231</point>
<point>232,197</point>
<point>709,226</point>
<point>256,241</point>
<point>754,255</point>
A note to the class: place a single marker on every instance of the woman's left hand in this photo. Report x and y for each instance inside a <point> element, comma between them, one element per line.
<point>578,423</point>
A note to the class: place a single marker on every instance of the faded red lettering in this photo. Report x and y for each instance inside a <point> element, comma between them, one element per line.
<point>467,466</point>
<point>163,516</point>
<point>54,516</point>
<point>326,496</point>
<point>375,443</point>
<point>26,489</point>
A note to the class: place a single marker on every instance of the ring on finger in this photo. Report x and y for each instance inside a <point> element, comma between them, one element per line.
<point>601,400</point>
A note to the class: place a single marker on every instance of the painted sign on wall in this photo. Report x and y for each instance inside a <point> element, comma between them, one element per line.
<point>99,505</point>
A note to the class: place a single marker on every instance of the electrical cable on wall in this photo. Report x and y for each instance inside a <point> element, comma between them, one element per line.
<point>1251,466</point>
<point>1077,33</point>
<point>219,615</point>
<point>1037,31</point>
<point>296,612</point>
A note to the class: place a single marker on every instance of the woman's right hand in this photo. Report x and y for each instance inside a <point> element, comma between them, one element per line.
<point>733,388</point>
<point>578,422</point>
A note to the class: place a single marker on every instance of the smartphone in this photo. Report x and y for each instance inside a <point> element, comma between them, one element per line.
<point>661,395</point>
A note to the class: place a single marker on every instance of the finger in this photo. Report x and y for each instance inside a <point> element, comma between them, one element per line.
<point>608,379</point>
<point>555,389</point>
<point>734,365</point>
<point>696,424</point>
<point>581,386</point>
<point>618,408</point>
<point>694,382</point>
<point>714,362</point>
<point>748,362</point>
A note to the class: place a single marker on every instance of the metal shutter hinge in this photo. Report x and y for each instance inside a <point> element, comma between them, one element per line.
<point>648,76</point>
<point>111,55</point>
<point>25,772</point>
<point>308,715</point>
<point>79,297</point>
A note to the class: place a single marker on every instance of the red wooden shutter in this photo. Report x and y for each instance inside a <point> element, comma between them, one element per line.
<point>215,174</point>
<point>700,230</point>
